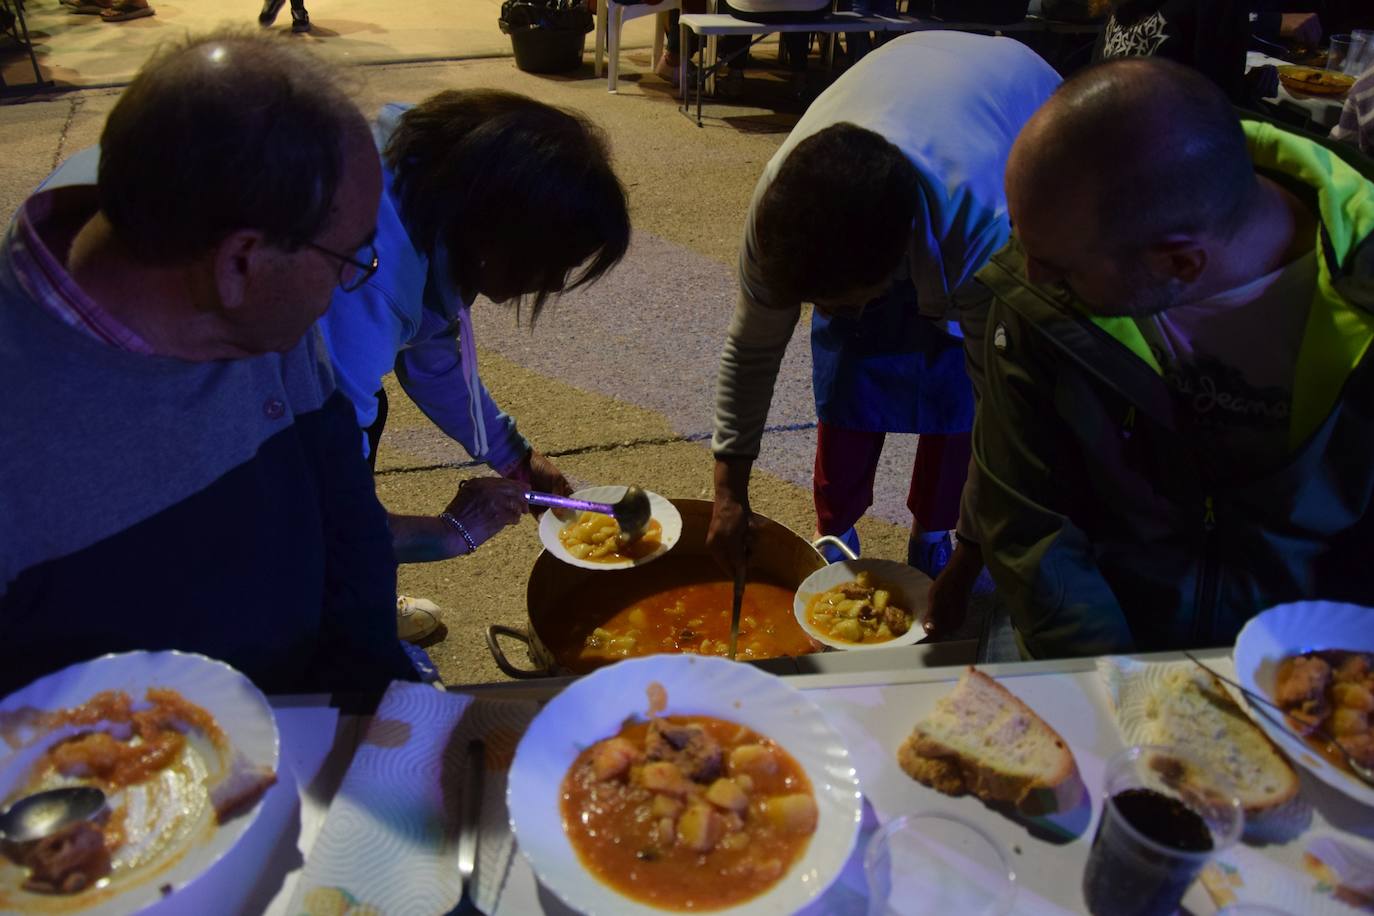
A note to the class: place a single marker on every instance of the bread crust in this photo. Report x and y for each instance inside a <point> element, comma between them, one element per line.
<point>931,762</point>
<point>240,789</point>
<point>1226,716</point>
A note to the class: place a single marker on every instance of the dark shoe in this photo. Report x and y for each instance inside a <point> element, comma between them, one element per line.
<point>730,85</point>
<point>300,20</point>
<point>124,10</point>
<point>800,88</point>
<point>832,553</point>
<point>930,557</point>
<point>270,9</point>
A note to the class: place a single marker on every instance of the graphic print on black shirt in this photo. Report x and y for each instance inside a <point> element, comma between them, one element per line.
<point>1208,35</point>
<point>1141,39</point>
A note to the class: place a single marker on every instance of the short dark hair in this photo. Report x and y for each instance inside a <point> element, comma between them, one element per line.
<point>838,215</point>
<point>226,131</point>
<point>1162,147</point>
<point>484,164</point>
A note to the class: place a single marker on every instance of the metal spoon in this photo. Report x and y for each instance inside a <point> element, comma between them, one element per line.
<point>45,813</point>
<point>1362,772</point>
<point>632,511</point>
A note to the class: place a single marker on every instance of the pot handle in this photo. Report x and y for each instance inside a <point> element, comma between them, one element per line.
<point>830,540</point>
<point>499,656</point>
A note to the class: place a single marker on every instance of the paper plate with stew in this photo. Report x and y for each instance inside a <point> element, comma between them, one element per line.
<point>595,541</point>
<point>677,782</point>
<point>863,604</point>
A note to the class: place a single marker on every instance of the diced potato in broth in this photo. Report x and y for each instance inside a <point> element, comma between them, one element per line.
<point>859,611</point>
<point>597,538</point>
<point>679,603</point>
<point>712,813</point>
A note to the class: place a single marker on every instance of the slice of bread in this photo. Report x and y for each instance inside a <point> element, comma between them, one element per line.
<point>240,788</point>
<point>981,739</point>
<point>1191,709</point>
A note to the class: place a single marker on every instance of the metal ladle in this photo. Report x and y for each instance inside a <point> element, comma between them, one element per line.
<point>44,813</point>
<point>632,511</point>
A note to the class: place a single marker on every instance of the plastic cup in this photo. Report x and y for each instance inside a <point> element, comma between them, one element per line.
<point>1338,52</point>
<point>930,863</point>
<point>1164,815</point>
<point>1361,56</point>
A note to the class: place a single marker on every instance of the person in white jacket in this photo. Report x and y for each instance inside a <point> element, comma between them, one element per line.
<point>485,193</point>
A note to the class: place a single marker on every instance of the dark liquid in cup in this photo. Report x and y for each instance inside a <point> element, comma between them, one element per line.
<point>1123,877</point>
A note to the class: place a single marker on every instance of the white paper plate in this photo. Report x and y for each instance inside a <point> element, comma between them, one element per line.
<point>664,512</point>
<point>909,586</point>
<point>239,709</point>
<point>1291,629</point>
<point>594,708</point>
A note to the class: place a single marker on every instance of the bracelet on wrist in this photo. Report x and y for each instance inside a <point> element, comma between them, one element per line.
<point>462,531</point>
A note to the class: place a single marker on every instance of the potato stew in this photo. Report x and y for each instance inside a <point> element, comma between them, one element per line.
<point>597,538</point>
<point>677,604</point>
<point>688,812</point>
<point>860,611</point>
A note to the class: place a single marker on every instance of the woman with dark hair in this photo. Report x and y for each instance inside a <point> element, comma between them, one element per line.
<point>485,193</point>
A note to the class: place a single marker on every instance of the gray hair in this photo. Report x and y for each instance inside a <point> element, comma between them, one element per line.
<point>222,132</point>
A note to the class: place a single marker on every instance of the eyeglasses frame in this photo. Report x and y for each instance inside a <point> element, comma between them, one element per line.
<point>365,269</point>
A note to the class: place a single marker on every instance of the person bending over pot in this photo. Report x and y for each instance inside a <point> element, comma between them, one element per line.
<point>878,209</point>
<point>485,193</point>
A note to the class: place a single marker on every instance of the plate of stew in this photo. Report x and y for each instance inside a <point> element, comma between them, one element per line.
<point>864,604</point>
<point>679,782</point>
<point>1315,659</point>
<point>594,541</point>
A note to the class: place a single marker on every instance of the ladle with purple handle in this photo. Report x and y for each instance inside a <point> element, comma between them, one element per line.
<point>632,511</point>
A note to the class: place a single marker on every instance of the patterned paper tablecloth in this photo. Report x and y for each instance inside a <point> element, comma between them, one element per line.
<point>389,843</point>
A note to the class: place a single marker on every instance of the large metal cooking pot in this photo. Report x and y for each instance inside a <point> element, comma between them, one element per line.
<point>777,553</point>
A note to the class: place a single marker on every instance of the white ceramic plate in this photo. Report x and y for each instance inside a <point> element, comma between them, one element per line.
<point>1291,629</point>
<point>664,512</point>
<point>239,709</point>
<point>910,589</point>
<point>594,708</point>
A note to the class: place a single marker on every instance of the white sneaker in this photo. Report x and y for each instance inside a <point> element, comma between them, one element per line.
<point>416,618</point>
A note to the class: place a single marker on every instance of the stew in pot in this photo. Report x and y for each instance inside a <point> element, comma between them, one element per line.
<point>683,607</point>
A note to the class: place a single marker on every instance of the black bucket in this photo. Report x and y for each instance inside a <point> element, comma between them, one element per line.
<point>548,50</point>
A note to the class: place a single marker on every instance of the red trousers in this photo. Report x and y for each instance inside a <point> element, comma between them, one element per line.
<point>847,459</point>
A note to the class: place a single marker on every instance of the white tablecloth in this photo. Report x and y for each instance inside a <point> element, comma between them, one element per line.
<point>875,712</point>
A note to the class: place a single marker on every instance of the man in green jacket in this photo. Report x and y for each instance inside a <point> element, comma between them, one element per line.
<point>1176,428</point>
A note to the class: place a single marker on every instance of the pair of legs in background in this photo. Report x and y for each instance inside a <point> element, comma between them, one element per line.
<point>846,463</point>
<point>860,43</point>
<point>797,45</point>
<point>884,370</point>
<point>300,19</point>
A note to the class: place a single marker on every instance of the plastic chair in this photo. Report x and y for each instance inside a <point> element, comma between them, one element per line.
<point>610,20</point>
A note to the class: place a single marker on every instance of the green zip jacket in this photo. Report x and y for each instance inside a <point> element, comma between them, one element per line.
<point>1103,527</point>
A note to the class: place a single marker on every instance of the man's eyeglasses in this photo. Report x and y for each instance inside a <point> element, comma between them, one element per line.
<point>353,272</point>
